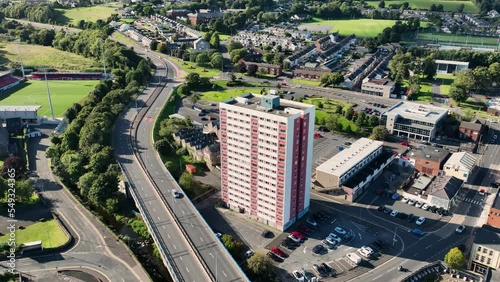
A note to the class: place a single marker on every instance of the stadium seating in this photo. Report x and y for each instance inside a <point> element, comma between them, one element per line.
<point>67,75</point>
<point>6,81</point>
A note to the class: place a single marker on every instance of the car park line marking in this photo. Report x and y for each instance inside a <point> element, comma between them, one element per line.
<point>163,226</point>
<point>224,273</point>
<point>183,212</point>
<point>333,221</point>
<point>428,247</point>
<point>174,247</point>
<point>442,239</point>
<point>414,255</point>
<point>360,238</point>
<point>159,218</point>
<point>378,277</point>
<point>187,269</point>
<point>181,258</point>
<point>201,239</point>
<point>154,210</point>
<point>210,254</point>
<point>149,202</point>
<point>305,249</point>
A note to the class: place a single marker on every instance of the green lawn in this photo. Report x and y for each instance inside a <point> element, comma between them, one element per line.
<point>72,16</point>
<point>227,93</point>
<point>359,27</point>
<point>223,37</point>
<point>305,82</point>
<point>63,94</point>
<point>127,21</point>
<point>37,56</point>
<point>328,107</point>
<point>48,232</point>
<point>191,68</point>
<point>450,6</point>
<point>445,38</point>
<point>123,38</point>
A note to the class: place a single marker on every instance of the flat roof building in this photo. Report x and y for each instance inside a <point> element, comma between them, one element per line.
<point>266,157</point>
<point>378,87</point>
<point>414,121</point>
<point>28,114</point>
<point>460,165</point>
<point>450,67</point>
<point>349,164</point>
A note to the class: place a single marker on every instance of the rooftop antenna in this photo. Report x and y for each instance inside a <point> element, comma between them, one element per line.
<point>20,59</point>
<point>48,93</point>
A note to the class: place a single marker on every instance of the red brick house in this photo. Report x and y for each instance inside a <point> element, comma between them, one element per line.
<point>470,130</point>
<point>276,70</point>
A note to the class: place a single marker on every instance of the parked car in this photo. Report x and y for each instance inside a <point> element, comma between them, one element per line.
<point>324,214</point>
<point>395,196</point>
<point>288,245</point>
<point>318,249</point>
<point>425,207</point>
<point>387,210</point>
<point>274,257</point>
<point>411,202</point>
<point>304,228</point>
<point>312,222</point>
<point>405,200</point>
<point>379,191</point>
<point>460,229</point>
<point>381,208</point>
<point>267,234</point>
<point>420,220</point>
<point>204,119</point>
<point>394,213</point>
<point>298,276</point>
<point>293,238</point>
<point>363,253</point>
<point>297,234</point>
<point>278,252</point>
<point>419,204</point>
<point>402,215</point>
<point>405,144</point>
<point>319,270</point>
<point>379,243</point>
<point>433,209</point>
<point>354,258</point>
<point>340,230</point>
<point>481,192</point>
<point>249,253</point>
<point>328,270</point>
<point>330,244</point>
<point>410,217</point>
<point>334,237</point>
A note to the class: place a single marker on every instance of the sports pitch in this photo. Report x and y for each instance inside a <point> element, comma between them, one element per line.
<point>448,5</point>
<point>63,94</point>
<point>359,27</point>
<point>445,38</point>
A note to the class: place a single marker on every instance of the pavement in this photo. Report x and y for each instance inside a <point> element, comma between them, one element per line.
<point>98,250</point>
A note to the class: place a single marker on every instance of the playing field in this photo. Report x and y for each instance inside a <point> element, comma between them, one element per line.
<point>359,27</point>
<point>64,94</point>
<point>72,16</point>
<point>450,6</point>
<point>445,38</point>
<point>37,56</point>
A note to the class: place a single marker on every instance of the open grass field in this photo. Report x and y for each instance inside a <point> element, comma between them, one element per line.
<point>359,27</point>
<point>191,67</point>
<point>450,6</point>
<point>74,15</point>
<point>445,38</point>
<point>329,106</point>
<point>37,56</point>
<point>48,232</point>
<point>305,82</point>
<point>63,95</point>
<point>228,93</point>
<point>122,38</point>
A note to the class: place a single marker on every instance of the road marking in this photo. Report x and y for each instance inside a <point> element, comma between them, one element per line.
<point>168,236</point>
<point>201,239</point>
<point>163,226</point>
<point>157,172</point>
<point>183,212</point>
<point>154,210</point>
<point>142,188</point>
<point>305,249</point>
<point>414,255</point>
<point>211,255</point>
<point>159,218</point>
<point>162,181</point>
<point>224,273</point>
<point>192,224</point>
<point>378,277</point>
<point>428,247</point>
<point>333,221</point>
<point>187,269</point>
<point>360,238</point>
<point>145,195</point>
<point>149,202</point>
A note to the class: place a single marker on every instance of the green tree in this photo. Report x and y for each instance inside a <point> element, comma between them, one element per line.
<point>325,80</point>
<point>379,133</point>
<point>278,58</point>
<point>233,45</point>
<point>361,119</point>
<point>14,164</point>
<point>268,57</point>
<point>103,187</point>
<point>162,48</point>
<point>215,40</point>
<point>458,93</point>
<point>381,4</point>
<point>187,181</point>
<point>331,122</point>
<point>112,205</point>
<point>227,241</point>
<point>252,69</point>
<point>85,182</point>
<point>336,78</point>
<point>428,66</point>
<point>494,70</point>
<point>373,120</point>
<point>216,60</point>
<point>24,191</point>
<point>482,77</point>
<point>261,265</point>
<point>73,163</point>
<point>202,59</point>
<point>413,86</point>
<point>100,161</point>
<point>237,54</point>
<point>455,258</point>
<point>349,113</point>
<point>153,45</point>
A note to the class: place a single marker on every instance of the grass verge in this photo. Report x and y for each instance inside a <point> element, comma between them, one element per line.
<point>49,232</point>
<point>305,82</point>
<point>192,68</point>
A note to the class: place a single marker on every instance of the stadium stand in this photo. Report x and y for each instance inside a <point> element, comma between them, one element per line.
<point>68,75</point>
<point>8,81</point>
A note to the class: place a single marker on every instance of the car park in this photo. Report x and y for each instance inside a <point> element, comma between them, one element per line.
<point>405,200</point>
<point>394,213</point>
<point>420,220</point>
<point>328,270</point>
<point>419,204</point>
<point>267,234</point>
<point>298,276</point>
<point>460,229</point>
<point>304,228</point>
<point>330,244</point>
<point>340,230</point>
<point>411,202</point>
<point>425,207</point>
<point>318,249</point>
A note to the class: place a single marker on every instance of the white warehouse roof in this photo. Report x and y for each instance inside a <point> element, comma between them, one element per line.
<point>461,161</point>
<point>446,62</point>
<point>349,157</point>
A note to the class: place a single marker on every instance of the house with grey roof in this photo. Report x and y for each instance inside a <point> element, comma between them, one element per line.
<point>484,255</point>
<point>443,192</point>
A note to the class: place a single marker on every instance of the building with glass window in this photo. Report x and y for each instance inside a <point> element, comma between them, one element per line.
<point>266,157</point>
<point>485,252</point>
<point>414,121</point>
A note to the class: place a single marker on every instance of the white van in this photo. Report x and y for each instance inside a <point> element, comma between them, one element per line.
<point>354,258</point>
<point>273,92</point>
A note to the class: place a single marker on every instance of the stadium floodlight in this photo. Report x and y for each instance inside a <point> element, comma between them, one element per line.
<point>48,93</point>
<point>103,59</point>
<point>20,58</point>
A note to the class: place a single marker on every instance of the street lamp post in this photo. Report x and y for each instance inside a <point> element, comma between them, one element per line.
<point>20,58</point>
<point>216,256</point>
<point>103,60</point>
<point>48,93</point>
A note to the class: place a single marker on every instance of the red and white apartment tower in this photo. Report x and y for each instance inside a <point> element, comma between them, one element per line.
<point>266,157</point>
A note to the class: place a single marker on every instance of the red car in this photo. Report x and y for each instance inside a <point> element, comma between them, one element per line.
<point>404,144</point>
<point>278,252</point>
<point>304,228</point>
<point>297,234</point>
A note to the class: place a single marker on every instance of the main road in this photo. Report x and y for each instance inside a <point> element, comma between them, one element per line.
<point>191,248</point>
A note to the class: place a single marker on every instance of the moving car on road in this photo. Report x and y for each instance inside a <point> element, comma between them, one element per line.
<point>175,194</point>
<point>460,229</point>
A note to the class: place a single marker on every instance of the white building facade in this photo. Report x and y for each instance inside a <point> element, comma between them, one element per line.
<point>266,157</point>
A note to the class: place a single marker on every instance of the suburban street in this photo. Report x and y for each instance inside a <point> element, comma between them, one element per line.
<point>97,250</point>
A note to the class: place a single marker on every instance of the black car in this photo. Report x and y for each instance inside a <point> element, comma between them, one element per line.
<point>324,214</point>
<point>274,257</point>
<point>318,249</point>
<point>317,217</point>
<point>323,128</point>
<point>387,210</point>
<point>319,270</point>
<point>347,143</point>
<point>328,270</point>
<point>267,234</point>
<point>403,215</point>
<point>288,245</point>
<point>433,209</point>
<point>494,184</point>
<point>381,208</point>
<point>292,242</point>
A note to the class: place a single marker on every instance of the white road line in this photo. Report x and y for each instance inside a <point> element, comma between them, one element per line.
<point>187,269</point>
<point>149,202</point>
<point>162,181</point>
<point>378,277</point>
<point>224,273</point>
<point>211,255</point>
<point>305,249</point>
<point>174,247</point>
<point>168,236</point>
<point>192,224</point>
<point>428,247</point>
<point>163,226</point>
<point>183,212</point>
<point>201,239</point>
<point>157,172</point>
<point>154,210</point>
<point>145,195</point>
<point>142,188</point>
<point>159,218</point>
<point>333,221</point>
<point>181,258</point>
<point>414,255</point>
